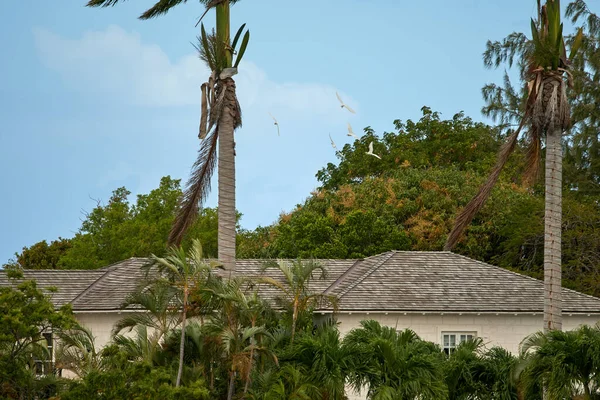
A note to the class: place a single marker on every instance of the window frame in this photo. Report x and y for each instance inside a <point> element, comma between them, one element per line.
<point>458,339</point>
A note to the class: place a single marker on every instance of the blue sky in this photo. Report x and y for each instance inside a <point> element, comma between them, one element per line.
<point>94,99</point>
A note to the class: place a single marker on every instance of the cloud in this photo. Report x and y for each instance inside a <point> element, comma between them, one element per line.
<point>117,63</point>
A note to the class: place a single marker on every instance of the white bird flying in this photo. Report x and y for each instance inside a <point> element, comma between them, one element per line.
<point>370,152</point>
<point>332,143</point>
<point>343,104</point>
<point>351,132</point>
<point>275,123</point>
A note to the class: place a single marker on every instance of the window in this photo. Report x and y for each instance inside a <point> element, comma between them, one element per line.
<point>451,340</point>
<point>44,366</point>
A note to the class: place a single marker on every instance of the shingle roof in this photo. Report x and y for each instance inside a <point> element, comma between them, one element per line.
<point>392,281</point>
<point>69,283</point>
<point>444,281</point>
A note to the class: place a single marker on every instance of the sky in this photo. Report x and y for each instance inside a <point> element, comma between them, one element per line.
<point>95,99</point>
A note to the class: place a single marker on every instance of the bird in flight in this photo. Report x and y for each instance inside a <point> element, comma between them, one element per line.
<point>370,152</point>
<point>332,143</point>
<point>275,123</point>
<point>343,104</point>
<point>351,132</point>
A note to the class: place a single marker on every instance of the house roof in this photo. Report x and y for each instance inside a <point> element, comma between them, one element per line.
<point>68,283</point>
<point>394,281</point>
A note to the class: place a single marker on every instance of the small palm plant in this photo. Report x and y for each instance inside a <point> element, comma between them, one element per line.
<point>546,115</point>
<point>76,351</point>
<point>295,287</point>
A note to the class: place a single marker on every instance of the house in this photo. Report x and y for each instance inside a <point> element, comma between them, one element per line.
<point>444,297</point>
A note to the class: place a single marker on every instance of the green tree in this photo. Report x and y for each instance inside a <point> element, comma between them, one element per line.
<point>185,271</point>
<point>76,351</point>
<point>296,295</point>
<point>546,113</point>
<point>43,255</point>
<point>127,380</point>
<point>26,314</point>
<point>153,325</point>
<point>325,360</point>
<point>394,365</point>
<point>566,363</point>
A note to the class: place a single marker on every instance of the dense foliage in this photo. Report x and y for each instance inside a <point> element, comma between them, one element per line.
<point>26,314</point>
<point>406,201</point>
<point>236,346</point>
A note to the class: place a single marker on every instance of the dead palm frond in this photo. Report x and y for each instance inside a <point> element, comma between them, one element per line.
<point>198,188</point>
<point>546,106</point>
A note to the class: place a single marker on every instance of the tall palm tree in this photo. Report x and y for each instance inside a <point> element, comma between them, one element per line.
<point>185,272</point>
<point>221,115</point>
<point>546,114</point>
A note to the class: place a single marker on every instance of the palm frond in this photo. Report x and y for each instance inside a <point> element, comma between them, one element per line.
<point>197,189</point>
<point>466,216</point>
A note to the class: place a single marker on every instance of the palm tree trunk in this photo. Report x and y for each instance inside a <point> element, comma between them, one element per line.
<point>226,210</point>
<point>294,318</point>
<point>552,232</point>
<point>231,385</point>
<point>182,343</point>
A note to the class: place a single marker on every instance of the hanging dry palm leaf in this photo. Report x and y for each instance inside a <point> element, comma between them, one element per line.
<point>198,188</point>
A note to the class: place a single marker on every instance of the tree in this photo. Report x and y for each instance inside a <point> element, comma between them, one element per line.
<point>123,228</point>
<point>566,363</point>
<point>394,365</point>
<point>185,271</point>
<point>295,293</point>
<point>221,111</point>
<point>153,325</point>
<point>324,358</point>
<point>76,351</point>
<point>26,315</point>
<point>235,325</point>
<point>547,115</point>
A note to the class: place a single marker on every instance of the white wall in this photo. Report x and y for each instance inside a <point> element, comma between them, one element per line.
<point>496,330</point>
<point>101,325</point>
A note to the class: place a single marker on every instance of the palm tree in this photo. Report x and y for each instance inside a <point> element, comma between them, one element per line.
<point>463,370</point>
<point>76,351</point>
<point>141,347</point>
<point>234,326</point>
<point>221,112</point>
<point>295,291</point>
<point>325,360</point>
<point>159,301</point>
<point>394,365</point>
<point>547,115</point>
<point>567,363</point>
<point>290,382</point>
<point>185,272</point>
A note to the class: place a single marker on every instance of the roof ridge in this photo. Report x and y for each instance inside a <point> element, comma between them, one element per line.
<point>109,268</point>
<point>369,271</point>
<point>343,276</point>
